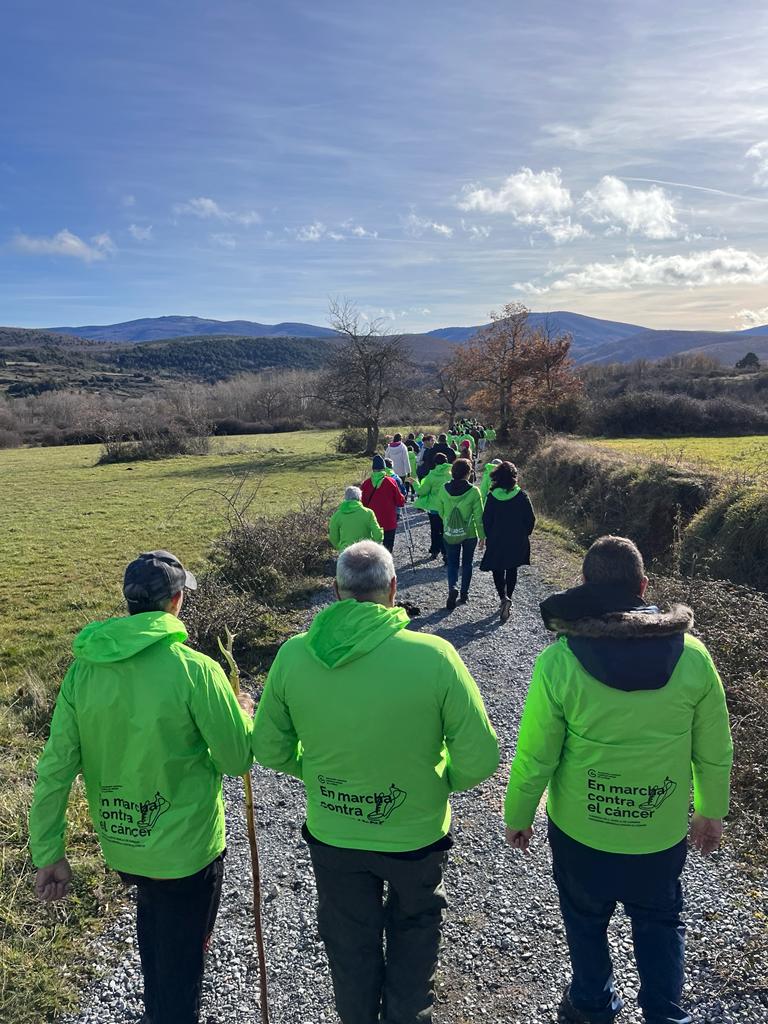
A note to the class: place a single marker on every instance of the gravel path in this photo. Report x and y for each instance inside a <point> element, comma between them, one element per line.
<point>504,957</point>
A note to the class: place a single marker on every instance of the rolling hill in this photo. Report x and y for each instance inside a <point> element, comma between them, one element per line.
<point>161,328</point>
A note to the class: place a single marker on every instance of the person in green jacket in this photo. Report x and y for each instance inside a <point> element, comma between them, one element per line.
<point>625,713</point>
<point>485,483</point>
<point>381,724</point>
<point>461,509</point>
<point>151,725</point>
<point>352,522</point>
<point>426,498</point>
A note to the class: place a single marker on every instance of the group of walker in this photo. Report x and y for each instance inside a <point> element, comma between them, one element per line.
<point>438,476</point>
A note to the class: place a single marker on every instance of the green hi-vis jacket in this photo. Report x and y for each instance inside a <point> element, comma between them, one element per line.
<point>430,486</point>
<point>352,522</point>
<point>379,722</point>
<point>151,725</point>
<point>619,764</point>
<point>462,516</point>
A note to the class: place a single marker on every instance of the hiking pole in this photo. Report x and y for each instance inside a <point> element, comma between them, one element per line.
<point>408,535</point>
<point>250,818</point>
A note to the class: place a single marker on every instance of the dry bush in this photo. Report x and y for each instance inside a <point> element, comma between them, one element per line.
<point>351,441</point>
<point>729,537</point>
<point>731,622</point>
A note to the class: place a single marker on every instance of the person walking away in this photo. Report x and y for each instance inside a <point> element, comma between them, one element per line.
<point>413,454</point>
<point>508,521</point>
<point>379,752</point>
<point>381,494</point>
<point>389,470</point>
<point>352,522</point>
<point>151,725</point>
<point>624,712</point>
<point>424,462</point>
<point>443,446</point>
<point>485,482</point>
<point>461,510</point>
<point>397,452</point>
<point>426,499</point>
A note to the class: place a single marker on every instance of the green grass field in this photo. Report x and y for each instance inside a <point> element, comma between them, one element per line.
<point>743,457</point>
<point>71,526</point>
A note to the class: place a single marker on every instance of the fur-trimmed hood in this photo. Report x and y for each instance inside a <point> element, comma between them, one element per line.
<point>618,639</point>
<point>642,622</point>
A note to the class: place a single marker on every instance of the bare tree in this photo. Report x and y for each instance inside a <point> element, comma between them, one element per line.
<point>452,388</point>
<point>366,372</point>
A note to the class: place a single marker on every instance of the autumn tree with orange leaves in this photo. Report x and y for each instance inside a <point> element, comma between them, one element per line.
<point>515,371</point>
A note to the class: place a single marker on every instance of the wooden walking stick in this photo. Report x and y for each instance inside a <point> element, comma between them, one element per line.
<point>250,817</point>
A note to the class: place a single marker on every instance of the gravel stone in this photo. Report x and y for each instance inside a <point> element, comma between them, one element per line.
<point>504,956</point>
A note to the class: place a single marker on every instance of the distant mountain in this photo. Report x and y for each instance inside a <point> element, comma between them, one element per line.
<point>161,328</point>
<point>756,330</point>
<point>723,345</point>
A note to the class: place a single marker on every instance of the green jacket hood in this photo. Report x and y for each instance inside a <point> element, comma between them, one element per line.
<point>349,629</point>
<point>121,638</point>
<point>350,506</point>
<point>501,494</point>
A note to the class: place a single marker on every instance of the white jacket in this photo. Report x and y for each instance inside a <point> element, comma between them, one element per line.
<point>400,461</point>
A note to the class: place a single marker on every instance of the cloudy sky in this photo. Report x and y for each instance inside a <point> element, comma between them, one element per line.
<point>429,160</point>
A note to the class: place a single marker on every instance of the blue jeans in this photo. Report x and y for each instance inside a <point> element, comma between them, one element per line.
<point>464,552</point>
<point>591,883</point>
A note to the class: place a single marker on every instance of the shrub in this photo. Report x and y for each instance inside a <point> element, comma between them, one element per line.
<point>9,438</point>
<point>656,414</point>
<point>596,492</point>
<point>731,621</point>
<point>728,539</point>
<point>266,556</point>
<point>162,442</point>
<point>351,441</point>
<point>232,426</point>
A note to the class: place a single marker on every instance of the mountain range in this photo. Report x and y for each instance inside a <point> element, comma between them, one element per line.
<point>594,340</point>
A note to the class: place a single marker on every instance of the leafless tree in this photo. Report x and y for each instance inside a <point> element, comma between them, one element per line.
<point>367,369</point>
<point>452,388</point>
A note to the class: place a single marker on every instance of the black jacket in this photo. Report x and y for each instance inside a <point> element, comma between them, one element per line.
<point>508,527</point>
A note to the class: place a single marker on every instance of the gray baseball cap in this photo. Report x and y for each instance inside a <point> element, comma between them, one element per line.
<point>154,577</point>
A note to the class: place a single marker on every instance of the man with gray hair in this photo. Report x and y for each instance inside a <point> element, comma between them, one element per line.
<point>352,522</point>
<point>381,724</point>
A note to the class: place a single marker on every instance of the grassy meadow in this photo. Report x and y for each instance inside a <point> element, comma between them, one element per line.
<point>742,457</point>
<point>69,528</point>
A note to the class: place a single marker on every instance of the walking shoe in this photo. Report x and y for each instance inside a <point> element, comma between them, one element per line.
<point>568,1014</point>
<point>453,595</point>
<point>464,598</point>
<point>504,610</point>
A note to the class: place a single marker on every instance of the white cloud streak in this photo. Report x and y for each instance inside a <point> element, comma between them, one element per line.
<point>692,270</point>
<point>753,317</point>
<point>536,200</point>
<point>416,226</point>
<point>759,152</point>
<point>647,212</point>
<point>139,233</point>
<point>208,209</point>
<point>65,243</point>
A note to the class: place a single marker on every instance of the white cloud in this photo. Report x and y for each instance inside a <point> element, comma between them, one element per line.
<point>694,270</point>
<point>536,200</point>
<point>225,240</point>
<point>648,212</point>
<point>475,231</point>
<point>65,243</point>
<point>359,231</point>
<point>759,152</point>
<point>753,317</point>
<point>208,209</point>
<point>139,233</point>
<point>312,232</point>
<point>418,226</point>
<point>567,135</point>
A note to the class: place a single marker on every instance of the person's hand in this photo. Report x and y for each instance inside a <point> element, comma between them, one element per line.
<point>54,882</point>
<point>519,839</point>
<point>706,833</point>
<point>245,700</point>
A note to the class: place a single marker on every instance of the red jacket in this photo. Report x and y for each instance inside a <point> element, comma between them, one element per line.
<point>384,500</point>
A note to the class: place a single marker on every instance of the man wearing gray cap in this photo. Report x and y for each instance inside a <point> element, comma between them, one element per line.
<point>151,725</point>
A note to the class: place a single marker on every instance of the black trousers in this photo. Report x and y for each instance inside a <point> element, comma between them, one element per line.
<point>590,884</point>
<point>353,917</point>
<point>174,922</point>
<point>505,581</point>
<point>389,539</point>
<point>436,546</point>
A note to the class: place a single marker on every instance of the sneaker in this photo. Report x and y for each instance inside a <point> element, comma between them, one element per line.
<point>504,610</point>
<point>568,1014</point>
<point>453,595</point>
<point>464,598</point>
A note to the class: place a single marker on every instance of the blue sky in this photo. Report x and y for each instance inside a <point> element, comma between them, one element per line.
<point>430,161</point>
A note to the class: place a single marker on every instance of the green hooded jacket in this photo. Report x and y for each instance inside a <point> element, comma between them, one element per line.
<point>352,522</point>
<point>151,725</point>
<point>462,515</point>
<point>619,764</point>
<point>427,491</point>
<point>379,722</point>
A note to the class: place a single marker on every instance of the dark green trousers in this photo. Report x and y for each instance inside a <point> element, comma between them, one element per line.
<point>371,985</point>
